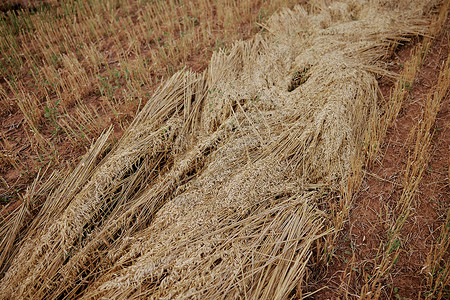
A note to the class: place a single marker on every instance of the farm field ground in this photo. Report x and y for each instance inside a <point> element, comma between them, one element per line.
<point>147,153</point>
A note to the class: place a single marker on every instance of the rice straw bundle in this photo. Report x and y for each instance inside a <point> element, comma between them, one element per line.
<point>214,189</point>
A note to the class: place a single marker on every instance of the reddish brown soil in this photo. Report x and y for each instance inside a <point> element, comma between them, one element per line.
<point>381,189</point>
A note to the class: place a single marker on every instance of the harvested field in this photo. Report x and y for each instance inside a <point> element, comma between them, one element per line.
<point>245,180</point>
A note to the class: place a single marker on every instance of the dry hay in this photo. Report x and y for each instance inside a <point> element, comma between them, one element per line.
<point>214,191</point>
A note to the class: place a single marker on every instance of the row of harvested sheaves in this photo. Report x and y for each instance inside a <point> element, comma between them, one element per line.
<point>228,184</point>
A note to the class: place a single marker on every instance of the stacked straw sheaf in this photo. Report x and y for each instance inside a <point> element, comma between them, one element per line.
<point>214,190</point>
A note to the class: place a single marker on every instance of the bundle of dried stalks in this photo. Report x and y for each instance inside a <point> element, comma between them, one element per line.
<point>214,189</point>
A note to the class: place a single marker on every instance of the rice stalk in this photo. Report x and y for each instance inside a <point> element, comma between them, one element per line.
<point>437,267</point>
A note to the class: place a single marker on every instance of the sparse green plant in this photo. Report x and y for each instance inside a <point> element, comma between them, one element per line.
<point>51,113</point>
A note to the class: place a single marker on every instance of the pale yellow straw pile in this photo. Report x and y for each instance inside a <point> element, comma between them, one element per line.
<point>218,188</point>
